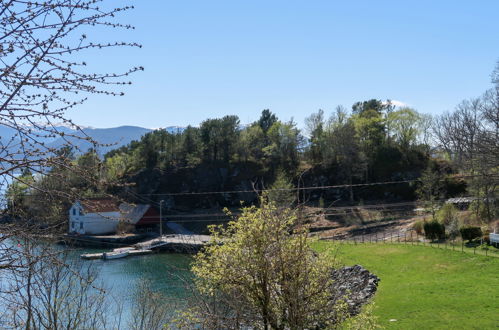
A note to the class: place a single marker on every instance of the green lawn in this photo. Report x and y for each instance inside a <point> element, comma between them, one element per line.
<point>428,288</point>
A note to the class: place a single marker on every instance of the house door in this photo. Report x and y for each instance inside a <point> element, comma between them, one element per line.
<point>81,228</point>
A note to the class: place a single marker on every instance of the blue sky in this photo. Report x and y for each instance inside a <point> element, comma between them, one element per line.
<point>206,59</point>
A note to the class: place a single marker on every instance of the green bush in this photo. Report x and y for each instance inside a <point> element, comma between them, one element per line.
<point>479,210</point>
<point>470,233</point>
<point>447,214</point>
<point>418,227</point>
<point>281,191</point>
<point>434,230</point>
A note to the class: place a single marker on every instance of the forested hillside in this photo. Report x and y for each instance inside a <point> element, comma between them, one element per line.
<point>372,143</point>
<point>373,152</point>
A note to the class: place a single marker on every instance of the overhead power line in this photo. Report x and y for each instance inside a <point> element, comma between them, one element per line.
<point>282,189</point>
<point>489,176</point>
<point>307,188</point>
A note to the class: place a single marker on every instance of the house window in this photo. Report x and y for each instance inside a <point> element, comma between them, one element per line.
<point>81,225</point>
<point>74,211</point>
<point>72,225</point>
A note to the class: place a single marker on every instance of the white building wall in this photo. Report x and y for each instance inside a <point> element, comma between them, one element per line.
<point>92,223</point>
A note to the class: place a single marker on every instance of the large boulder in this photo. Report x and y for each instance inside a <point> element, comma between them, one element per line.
<point>355,285</point>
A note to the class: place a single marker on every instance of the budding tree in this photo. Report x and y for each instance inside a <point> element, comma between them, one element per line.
<point>45,47</point>
<point>260,272</point>
<point>43,74</point>
<point>470,136</point>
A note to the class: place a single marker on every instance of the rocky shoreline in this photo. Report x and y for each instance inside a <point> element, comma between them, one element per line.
<point>355,285</point>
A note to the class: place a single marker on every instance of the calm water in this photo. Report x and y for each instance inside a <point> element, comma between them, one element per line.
<point>166,273</point>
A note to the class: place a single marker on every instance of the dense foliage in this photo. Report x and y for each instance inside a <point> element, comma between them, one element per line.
<point>454,154</point>
<point>260,273</point>
<point>434,230</point>
<point>375,142</point>
<point>470,232</point>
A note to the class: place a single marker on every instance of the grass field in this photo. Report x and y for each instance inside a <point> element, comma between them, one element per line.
<point>428,288</point>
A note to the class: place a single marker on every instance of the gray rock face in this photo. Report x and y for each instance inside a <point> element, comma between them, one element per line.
<point>356,285</point>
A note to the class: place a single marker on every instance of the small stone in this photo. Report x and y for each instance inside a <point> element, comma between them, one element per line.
<point>393,320</point>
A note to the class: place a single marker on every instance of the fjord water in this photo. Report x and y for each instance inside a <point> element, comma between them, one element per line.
<point>165,272</point>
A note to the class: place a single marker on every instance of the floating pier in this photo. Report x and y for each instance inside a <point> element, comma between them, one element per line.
<point>170,243</point>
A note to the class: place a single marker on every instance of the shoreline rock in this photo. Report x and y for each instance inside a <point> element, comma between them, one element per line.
<point>356,285</point>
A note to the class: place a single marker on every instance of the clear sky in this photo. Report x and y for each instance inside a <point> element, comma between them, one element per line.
<point>205,59</point>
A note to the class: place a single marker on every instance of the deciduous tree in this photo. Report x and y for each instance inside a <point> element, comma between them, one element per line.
<point>266,273</point>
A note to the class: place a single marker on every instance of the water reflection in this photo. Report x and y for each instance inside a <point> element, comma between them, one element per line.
<point>164,271</point>
<point>167,274</point>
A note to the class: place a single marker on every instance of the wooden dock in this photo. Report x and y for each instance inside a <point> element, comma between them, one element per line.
<point>170,243</point>
<point>175,243</point>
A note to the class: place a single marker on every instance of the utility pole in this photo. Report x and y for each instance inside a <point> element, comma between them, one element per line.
<point>161,218</point>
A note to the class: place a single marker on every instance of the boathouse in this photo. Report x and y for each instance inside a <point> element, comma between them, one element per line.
<point>94,216</point>
<point>143,216</point>
<point>101,216</point>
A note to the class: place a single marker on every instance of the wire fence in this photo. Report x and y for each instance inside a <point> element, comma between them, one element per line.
<point>412,237</point>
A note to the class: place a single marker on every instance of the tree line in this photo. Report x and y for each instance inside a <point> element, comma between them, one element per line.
<point>452,154</point>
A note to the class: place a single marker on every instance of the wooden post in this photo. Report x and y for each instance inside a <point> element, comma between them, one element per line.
<point>161,219</point>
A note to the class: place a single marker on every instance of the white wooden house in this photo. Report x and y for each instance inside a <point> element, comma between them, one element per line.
<point>100,216</point>
<point>94,216</point>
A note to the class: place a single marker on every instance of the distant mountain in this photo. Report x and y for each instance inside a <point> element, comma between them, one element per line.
<point>112,138</point>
